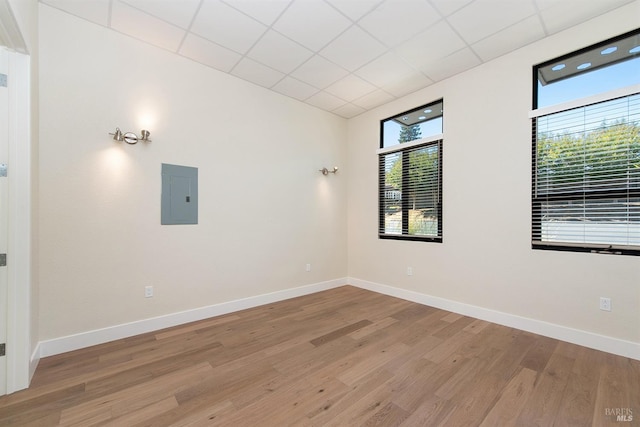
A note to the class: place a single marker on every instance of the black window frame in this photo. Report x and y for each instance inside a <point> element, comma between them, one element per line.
<point>574,196</point>
<point>405,202</point>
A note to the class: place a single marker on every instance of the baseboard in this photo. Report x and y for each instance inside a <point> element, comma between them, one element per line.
<point>100,336</point>
<point>587,339</point>
<point>33,362</point>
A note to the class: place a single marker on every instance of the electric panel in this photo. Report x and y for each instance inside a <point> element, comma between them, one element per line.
<point>179,195</point>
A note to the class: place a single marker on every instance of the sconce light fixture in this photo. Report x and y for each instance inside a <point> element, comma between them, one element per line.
<point>326,171</point>
<point>130,137</point>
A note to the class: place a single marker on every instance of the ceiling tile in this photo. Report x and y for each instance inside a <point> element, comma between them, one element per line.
<point>509,39</point>
<point>408,84</point>
<point>353,48</point>
<point>312,23</point>
<point>455,63</point>
<point>430,39</point>
<point>209,53</point>
<point>600,5</point>
<point>145,27</point>
<point>559,15</point>
<point>176,12</point>
<point>385,69</point>
<point>319,72</point>
<point>447,7</point>
<point>355,9</point>
<point>395,21</point>
<point>325,101</point>
<point>294,88</point>
<point>482,18</point>
<point>348,110</point>
<point>257,73</point>
<point>279,52</point>
<point>350,88</point>
<point>264,11</point>
<point>96,11</point>
<point>226,26</point>
<point>374,99</point>
<point>431,45</point>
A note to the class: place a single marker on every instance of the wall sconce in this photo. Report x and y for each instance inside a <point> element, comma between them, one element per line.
<point>326,171</point>
<point>130,137</point>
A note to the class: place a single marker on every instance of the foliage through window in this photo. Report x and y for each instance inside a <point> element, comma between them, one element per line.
<point>410,181</point>
<point>586,152</point>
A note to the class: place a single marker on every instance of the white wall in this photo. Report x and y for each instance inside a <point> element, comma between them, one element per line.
<point>486,259</point>
<point>26,14</point>
<point>264,209</point>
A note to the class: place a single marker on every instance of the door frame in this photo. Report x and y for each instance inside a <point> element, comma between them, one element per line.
<point>21,350</point>
<point>21,363</point>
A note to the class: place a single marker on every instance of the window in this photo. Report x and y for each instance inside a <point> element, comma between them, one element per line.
<point>410,180</point>
<point>586,149</point>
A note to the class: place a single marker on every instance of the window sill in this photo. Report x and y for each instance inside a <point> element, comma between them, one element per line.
<point>594,249</point>
<point>411,238</point>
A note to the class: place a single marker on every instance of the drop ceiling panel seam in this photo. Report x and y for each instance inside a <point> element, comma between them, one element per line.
<point>337,55</point>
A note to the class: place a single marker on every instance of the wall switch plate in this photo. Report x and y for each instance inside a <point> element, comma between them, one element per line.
<point>308,267</point>
<point>148,291</point>
<point>605,304</point>
<point>409,271</point>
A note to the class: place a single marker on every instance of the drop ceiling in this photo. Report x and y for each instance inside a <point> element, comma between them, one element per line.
<point>343,56</point>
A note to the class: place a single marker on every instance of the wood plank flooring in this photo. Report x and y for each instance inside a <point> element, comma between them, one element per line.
<point>343,357</point>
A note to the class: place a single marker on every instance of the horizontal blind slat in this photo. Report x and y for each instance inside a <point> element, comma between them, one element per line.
<point>411,191</point>
<point>588,153</point>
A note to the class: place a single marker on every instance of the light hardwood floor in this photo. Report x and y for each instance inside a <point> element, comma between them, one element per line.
<point>342,357</point>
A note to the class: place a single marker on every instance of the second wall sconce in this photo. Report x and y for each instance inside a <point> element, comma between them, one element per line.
<point>130,137</point>
<point>326,171</point>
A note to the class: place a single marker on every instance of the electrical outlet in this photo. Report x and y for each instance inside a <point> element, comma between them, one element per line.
<point>148,291</point>
<point>409,271</point>
<point>605,304</point>
<point>308,267</point>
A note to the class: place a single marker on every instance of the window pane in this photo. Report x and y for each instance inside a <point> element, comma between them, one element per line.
<point>598,81</point>
<point>606,221</point>
<point>591,148</point>
<point>601,68</point>
<point>423,191</point>
<point>391,196</point>
<point>421,122</point>
<point>410,192</point>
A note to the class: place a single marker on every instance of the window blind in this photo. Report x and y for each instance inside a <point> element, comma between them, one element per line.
<point>411,192</point>
<point>586,169</point>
